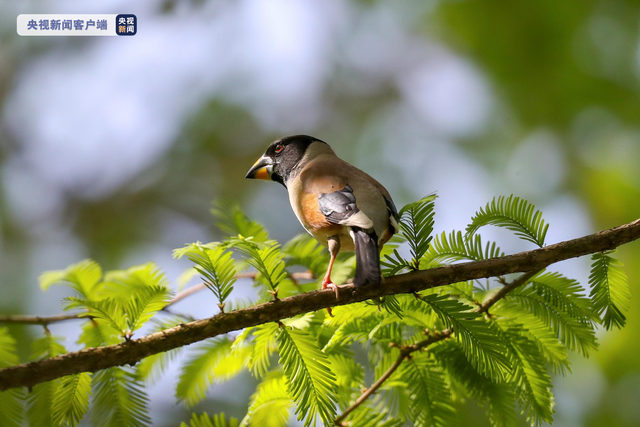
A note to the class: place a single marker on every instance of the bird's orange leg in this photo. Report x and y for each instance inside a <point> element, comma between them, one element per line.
<point>334,248</point>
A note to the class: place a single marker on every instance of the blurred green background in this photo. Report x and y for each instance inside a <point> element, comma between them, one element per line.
<point>113,148</point>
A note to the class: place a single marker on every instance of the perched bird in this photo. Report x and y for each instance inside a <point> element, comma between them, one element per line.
<point>337,203</point>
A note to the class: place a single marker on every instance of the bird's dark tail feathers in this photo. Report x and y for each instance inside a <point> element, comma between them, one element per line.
<point>367,258</point>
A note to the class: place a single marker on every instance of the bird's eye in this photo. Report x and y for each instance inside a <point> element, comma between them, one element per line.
<point>279,148</point>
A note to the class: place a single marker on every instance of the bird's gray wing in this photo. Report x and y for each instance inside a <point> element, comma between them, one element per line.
<point>340,207</point>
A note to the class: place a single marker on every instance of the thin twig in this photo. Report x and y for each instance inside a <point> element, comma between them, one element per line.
<point>132,351</point>
<point>37,320</point>
<point>404,353</point>
<point>508,287</point>
<point>46,320</point>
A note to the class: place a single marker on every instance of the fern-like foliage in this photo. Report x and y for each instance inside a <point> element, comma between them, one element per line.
<point>152,367</point>
<point>393,263</point>
<point>40,399</point>
<point>204,420</point>
<point>429,392</point>
<point>82,277</point>
<point>268,259</point>
<point>478,338</point>
<point>454,247</point>
<point>368,417</point>
<point>264,345</point>
<point>311,383</point>
<point>270,404</point>
<point>71,401</point>
<point>609,290</point>
<point>560,303</point>
<point>529,377</point>
<point>11,400</point>
<point>349,377</point>
<point>416,225</point>
<point>119,399</point>
<point>512,213</point>
<point>217,269</point>
<point>143,292</point>
<point>212,362</point>
<point>496,397</point>
<point>306,251</point>
<point>108,311</point>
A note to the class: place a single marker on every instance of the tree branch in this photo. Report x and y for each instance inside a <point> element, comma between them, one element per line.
<point>503,291</point>
<point>132,351</point>
<point>404,353</point>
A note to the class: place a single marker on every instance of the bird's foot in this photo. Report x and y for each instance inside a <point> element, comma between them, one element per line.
<point>328,284</point>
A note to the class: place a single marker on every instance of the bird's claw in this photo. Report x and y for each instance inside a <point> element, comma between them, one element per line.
<point>335,288</point>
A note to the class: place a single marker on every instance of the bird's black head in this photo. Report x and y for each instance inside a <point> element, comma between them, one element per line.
<point>281,158</point>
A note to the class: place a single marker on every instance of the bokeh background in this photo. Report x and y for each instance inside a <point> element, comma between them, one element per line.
<point>114,147</point>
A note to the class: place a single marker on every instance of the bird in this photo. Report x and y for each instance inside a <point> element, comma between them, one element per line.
<point>342,207</point>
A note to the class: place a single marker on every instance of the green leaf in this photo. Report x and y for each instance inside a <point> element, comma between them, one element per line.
<point>349,378</point>
<point>119,399</point>
<point>454,247</point>
<point>477,337</point>
<point>232,221</point>
<point>214,361</point>
<point>270,404</point>
<point>365,418</point>
<point>205,421</point>
<point>302,321</point>
<point>144,304</point>
<point>310,380</point>
<point>107,311</point>
<point>119,283</point>
<point>193,247</point>
<point>264,345</point>
<point>429,391</point>
<point>267,259</point>
<point>40,398</point>
<point>82,277</point>
<point>416,225</point>
<point>39,403</point>
<point>534,329</point>
<point>11,407</point>
<point>512,213</point>
<point>152,367</point>
<point>142,290</point>
<point>71,400</point>
<point>46,347</point>
<point>609,290</point>
<point>496,397</point>
<point>217,269</point>
<point>358,329</point>
<point>393,263</point>
<point>97,334</point>
<point>390,304</point>
<point>306,251</point>
<point>560,304</point>
<point>529,377</point>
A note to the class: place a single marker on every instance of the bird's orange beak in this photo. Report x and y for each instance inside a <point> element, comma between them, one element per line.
<point>261,169</point>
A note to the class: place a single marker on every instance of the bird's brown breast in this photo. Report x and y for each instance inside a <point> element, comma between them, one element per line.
<point>312,218</point>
